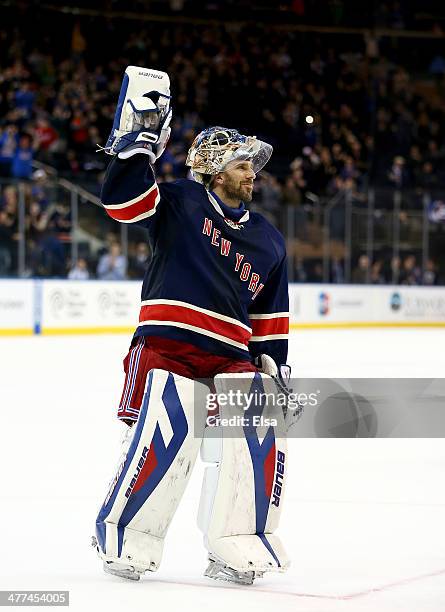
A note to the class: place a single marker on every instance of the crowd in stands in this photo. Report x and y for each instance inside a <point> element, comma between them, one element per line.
<point>395,270</point>
<point>391,14</point>
<point>342,115</point>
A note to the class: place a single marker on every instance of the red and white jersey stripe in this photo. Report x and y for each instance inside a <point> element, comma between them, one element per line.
<point>127,408</point>
<point>272,326</point>
<point>136,209</point>
<point>193,318</point>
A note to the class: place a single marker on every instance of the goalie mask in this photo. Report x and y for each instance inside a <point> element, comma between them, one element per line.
<point>216,147</point>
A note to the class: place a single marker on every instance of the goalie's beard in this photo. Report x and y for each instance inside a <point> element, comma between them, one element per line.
<point>234,189</point>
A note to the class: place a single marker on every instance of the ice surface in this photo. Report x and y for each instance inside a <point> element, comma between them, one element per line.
<point>363,519</point>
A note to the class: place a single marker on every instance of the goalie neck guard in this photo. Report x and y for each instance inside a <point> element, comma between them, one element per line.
<point>215,147</point>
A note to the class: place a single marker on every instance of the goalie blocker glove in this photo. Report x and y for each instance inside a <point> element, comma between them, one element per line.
<point>143,115</point>
<point>267,365</point>
<point>281,374</point>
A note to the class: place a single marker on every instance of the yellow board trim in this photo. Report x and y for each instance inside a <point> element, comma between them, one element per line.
<point>357,324</point>
<point>58,331</point>
<point>17,331</point>
<point>72,331</point>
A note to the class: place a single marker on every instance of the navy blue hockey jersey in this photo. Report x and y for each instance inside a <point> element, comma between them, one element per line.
<point>217,278</point>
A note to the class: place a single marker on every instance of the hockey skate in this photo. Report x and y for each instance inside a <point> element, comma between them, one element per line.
<point>122,570</point>
<point>218,570</point>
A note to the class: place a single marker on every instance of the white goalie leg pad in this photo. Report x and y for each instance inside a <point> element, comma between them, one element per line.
<point>242,493</point>
<point>149,483</point>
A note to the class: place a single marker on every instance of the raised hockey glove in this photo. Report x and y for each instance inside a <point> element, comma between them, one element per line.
<point>143,115</point>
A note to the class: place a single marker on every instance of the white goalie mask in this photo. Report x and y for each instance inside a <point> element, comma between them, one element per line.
<point>215,147</point>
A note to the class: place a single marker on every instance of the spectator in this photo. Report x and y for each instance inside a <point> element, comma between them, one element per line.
<point>21,167</point>
<point>337,271</point>
<point>410,274</point>
<point>361,271</point>
<point>8,231</point>
<point>39,188</point>
<point>46,136</point>
<point>79,271</point>
<point>398,174</point>
<point>36,226</point>
<point>53,240</point>
<point>79,130</point>
<point>292,191</point>
<point>6,243</point>
<point>267,197</point>
<point>24,99</point>
<point>60,222</point>
<point>8,145</point>
<point>430,273</point>
<point>428,178</point>
<point>377,277</point>
<point>112,265</point>
<point>138,263</point>
<point>393,274</point>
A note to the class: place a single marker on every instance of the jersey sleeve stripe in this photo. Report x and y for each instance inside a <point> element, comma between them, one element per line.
<point>137,209</point>
<point>135,200</point>
<point>272,315</point>
<point>267,327</point>
<point>269,337</point>
<point>182,315</point>
<point>139,217</point>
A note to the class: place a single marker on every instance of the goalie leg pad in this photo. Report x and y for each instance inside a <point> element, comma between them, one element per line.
<point>242,493</point>
<point>143,496</point>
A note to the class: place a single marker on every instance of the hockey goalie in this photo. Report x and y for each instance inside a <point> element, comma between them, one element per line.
<point>214,305</point>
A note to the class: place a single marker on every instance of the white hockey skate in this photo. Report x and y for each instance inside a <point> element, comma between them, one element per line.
<point>122,570</point>
<point>218,570</point>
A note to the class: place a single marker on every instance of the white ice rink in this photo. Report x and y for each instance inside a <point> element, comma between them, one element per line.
<point>363,520</point>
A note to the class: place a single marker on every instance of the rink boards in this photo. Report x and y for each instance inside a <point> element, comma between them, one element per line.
<point>78,307</point>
